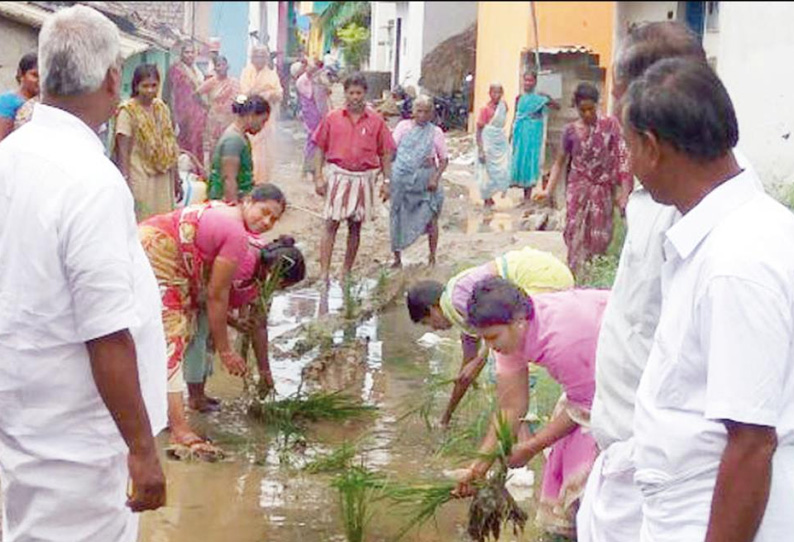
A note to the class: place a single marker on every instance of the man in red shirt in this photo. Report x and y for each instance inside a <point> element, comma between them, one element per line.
<point>354,144</point>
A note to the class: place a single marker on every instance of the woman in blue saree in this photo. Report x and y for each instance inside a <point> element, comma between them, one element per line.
<point>526,136</point>
<point>416,193</point>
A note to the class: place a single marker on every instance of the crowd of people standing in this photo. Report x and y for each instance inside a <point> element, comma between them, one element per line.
<point>675,418</point>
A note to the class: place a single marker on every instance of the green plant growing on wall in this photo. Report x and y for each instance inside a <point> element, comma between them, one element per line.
<point>354,38</point>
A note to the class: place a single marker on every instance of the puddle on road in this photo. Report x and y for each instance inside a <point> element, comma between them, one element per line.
<point>251,498</point>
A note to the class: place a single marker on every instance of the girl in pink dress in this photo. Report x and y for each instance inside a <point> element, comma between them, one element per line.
<point>558,331</point>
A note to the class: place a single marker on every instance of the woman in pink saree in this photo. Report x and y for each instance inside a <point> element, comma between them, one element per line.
<point>189,111</point>
<point>310,112</point>
<point>559,332</point>
<point>221,91</point>
<point>260,78</point>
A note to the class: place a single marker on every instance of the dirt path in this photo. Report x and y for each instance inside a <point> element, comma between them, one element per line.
<point>467,235</point>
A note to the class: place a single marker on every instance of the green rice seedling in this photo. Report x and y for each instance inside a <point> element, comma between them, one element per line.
<point>492,505</point>
<point>470,425</point>
<point>358,489</point>
<point>296,410</point>
<point>338,460</point>
<point>600,271</point>
<point>426,405</point>
<point>267,288</point>
<point>351,299</point>
<point>381,286</point>
<point>422,501</point>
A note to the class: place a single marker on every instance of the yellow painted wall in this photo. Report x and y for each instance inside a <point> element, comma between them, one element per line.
<point>579,23</point>
<point>504,30</point>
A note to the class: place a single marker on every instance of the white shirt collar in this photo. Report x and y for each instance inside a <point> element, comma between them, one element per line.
<point>61,120</point>
<point>686,234</point>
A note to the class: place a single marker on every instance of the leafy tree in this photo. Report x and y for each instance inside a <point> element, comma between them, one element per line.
<point>355,44</point>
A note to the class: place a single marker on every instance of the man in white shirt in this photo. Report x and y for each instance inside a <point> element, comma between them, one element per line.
<point>714,420</point>
<point>82,350</point>
<point>611,510</point>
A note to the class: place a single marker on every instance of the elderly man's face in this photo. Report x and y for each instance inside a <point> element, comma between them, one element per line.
<point>645,161</point>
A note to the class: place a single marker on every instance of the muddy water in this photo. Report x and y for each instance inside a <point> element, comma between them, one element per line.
<point>261,494</point>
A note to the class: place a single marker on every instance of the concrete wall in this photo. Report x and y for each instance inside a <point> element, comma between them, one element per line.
<point>411,53</point>
<point>629,13</point>
<point>579,23</point>
<point>17,40</point>
<point>230,21</point>
<point>445,19</point>
<point>170,13</point>
<point>754,60</point>
<point>198,16</point>
<point>381,52</point>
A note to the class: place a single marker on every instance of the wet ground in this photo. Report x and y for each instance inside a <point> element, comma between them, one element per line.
<point>261,492</point>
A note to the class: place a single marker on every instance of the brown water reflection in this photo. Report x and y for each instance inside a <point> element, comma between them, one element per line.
<point>252,498</point>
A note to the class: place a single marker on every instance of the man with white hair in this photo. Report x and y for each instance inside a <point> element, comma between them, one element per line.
<point>82,350</point>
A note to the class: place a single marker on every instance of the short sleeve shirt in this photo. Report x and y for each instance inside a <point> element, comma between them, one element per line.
<point>221,235</point>
<point>73,270</point>
<point>723,346</point>
<point>354,147</point>
<point>562,337</point>
<point>439,141</point>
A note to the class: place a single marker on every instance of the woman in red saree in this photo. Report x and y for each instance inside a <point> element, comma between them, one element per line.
<point>187,107</point>
<point>595,157</point>
<point>221,91</point>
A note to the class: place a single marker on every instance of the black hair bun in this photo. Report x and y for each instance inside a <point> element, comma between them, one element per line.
<point>286,240</point>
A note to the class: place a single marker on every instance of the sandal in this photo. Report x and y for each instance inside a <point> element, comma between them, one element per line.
<point>195,449</point>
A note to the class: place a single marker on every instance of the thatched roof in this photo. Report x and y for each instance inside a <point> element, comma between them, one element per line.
<point>444,68</point>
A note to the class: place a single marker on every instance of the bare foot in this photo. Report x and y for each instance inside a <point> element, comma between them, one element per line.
<point>396,264</point>
<point>204,404</point>
<point>431,261</point>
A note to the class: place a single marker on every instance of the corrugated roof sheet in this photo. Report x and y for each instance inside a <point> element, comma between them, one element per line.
<point>35,16</point>
<point>562,49</point>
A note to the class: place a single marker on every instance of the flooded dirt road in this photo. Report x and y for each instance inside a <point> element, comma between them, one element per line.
<point>260,493</point>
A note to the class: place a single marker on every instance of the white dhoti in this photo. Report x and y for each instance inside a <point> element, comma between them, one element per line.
<point>58,499</point>
<point>611,508</point>
<point>350,194</point>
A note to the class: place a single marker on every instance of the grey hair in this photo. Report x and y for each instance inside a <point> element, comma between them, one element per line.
<point>77,47</point>
<point>423,99</point>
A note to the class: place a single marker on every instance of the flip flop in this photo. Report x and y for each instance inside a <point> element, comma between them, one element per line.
<point>192,449</point>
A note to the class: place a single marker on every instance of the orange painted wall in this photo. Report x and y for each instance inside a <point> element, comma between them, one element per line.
<point>504,30</point>
<point>590,24</point>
